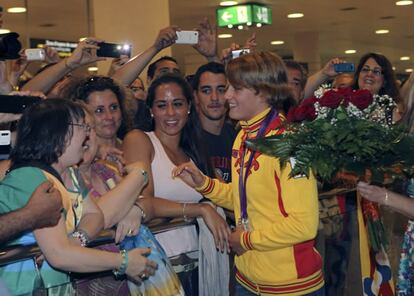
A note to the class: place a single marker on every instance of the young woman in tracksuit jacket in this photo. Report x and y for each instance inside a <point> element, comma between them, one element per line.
<point>277,214</point>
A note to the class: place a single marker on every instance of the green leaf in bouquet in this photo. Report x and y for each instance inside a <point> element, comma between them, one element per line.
<point>273,145</point>
<point>377,175</point>
<point>357,168</point>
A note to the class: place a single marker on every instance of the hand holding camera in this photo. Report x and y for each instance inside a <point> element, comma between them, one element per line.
<point>166,37</point>
<point>85,53</point>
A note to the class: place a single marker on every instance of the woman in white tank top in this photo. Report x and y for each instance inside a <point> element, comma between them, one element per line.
<point>174,140</point>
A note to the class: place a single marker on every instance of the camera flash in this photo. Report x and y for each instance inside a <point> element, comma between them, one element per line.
<point>126,46</point>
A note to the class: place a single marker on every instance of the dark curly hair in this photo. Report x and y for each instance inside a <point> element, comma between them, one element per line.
<point>86,86</point>
<point>45,130</point>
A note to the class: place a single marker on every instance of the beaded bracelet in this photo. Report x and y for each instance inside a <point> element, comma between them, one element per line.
<point>81,236</point>
<point>124,265</point>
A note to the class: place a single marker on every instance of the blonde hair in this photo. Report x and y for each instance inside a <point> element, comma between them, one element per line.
<point>265,73</point>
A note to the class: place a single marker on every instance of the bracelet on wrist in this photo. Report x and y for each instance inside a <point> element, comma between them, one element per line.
<point>185,217</point>
<point>386,198</point>
<point>143,215</point>
<point>81,236</point>
<point>118,272</point>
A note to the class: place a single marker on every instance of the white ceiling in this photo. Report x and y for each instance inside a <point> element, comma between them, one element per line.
<point>338,30</point>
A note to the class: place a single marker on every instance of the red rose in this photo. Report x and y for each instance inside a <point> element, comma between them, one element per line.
<point>330,99</point>
<point>305,111</point>
<point>291,114</point>
<point>361,98</point>
<point>309,101</point>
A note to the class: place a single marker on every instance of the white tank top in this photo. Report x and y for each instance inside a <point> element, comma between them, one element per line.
<point>181,240</point>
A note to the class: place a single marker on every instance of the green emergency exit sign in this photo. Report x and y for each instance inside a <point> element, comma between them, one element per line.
<point>246,14</point>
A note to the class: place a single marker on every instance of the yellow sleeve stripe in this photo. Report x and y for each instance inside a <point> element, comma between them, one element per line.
<point>246,242</point>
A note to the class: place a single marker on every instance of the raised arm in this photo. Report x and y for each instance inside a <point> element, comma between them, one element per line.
<point>207,41</point>
<point>85,53</point>
<point>320,77</point>
<point>133,68</point>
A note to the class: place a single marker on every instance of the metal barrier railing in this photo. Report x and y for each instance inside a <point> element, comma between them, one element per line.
<point>15,253</point>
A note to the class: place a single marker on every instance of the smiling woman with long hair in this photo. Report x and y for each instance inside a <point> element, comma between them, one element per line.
<point>175,139</point>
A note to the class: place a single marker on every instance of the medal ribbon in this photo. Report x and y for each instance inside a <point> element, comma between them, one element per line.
<point>243,179</point>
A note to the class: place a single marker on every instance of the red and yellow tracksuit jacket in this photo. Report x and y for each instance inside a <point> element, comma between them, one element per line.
<point>283,220</point>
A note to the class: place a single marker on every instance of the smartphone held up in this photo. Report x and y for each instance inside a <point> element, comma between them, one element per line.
<point>344,68</point>
<point>187,37</point>
<point>113,50</point>
<point>35,54</point>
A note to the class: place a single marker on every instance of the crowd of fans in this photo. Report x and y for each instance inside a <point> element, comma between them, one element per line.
<point>109,152</point>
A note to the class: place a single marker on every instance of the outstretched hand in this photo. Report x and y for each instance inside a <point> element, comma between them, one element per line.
<point>207,39</point>
<point>372,192</point>
<point>85,53</point>
<point>190,174</point>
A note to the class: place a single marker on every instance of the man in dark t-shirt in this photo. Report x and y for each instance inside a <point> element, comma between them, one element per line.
<point>209,85</point>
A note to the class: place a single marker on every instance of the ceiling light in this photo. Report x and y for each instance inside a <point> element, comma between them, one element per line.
<point>258,25</point>
<point>223,36</point>
<point>4,31</point>
<point>404,58</point>
<point>92,69</point>
<point>16,9</point>
<point>295,15</point>
<point>277,42</point>
<point>240,27</point>
<point>382,31</point>
<point>228,3</point>
<point>404,2</point>
<point>394,68</point>
<point>230,26</point>
<point>350,51</point>
<point>409,70</point>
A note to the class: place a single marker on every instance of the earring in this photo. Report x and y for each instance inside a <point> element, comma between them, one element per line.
<point>152,115</point>
<point>188,112</point>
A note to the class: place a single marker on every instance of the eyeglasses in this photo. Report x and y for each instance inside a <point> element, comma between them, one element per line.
<point>377,72</point>
<point>134,88</point>
<point>86,127</point>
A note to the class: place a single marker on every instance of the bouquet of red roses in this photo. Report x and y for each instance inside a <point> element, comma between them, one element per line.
<point>340,131</point>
